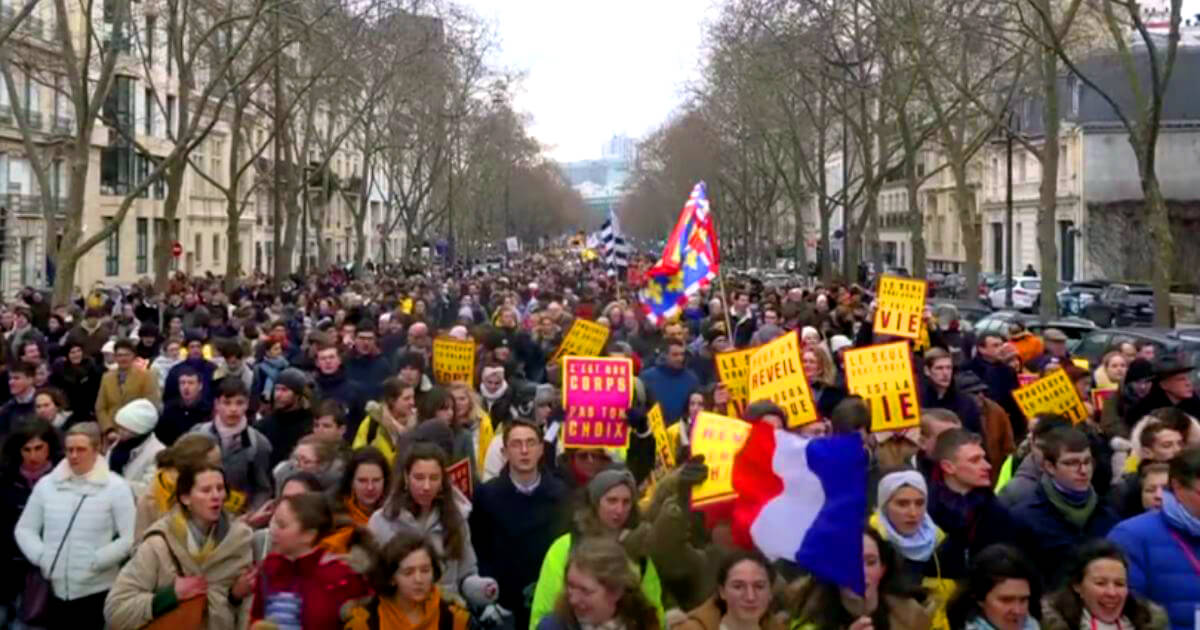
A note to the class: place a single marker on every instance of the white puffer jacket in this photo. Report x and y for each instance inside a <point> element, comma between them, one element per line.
<point>98,542</point>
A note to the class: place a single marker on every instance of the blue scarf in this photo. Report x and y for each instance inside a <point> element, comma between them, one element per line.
<point>1178,516</point>
<point>919,546</point>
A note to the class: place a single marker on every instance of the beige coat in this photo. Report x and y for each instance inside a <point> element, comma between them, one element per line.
<point>138,384</point>
<point>128,606</point>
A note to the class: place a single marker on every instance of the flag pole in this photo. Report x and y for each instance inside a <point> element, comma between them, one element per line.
<point>721,276</point>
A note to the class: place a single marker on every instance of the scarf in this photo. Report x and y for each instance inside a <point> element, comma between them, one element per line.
<point>359,514</point>
<point>32,476</point>
<point>920,545</point>
<point>1178,516</point>
<point>392,616</point>
<point>491,398</point>
<point>1076,507</point>
<point>1086,621</point>
<point>229,435</point>
<point>201,542</point>
<point>981,623</point>
<point>122,452</point>
<point>271,367</point>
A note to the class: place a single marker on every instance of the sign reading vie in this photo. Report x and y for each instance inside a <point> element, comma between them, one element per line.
<point>883,376</point>
<point>597,393</point>
<point>900,307</point>
<point>718,439</point>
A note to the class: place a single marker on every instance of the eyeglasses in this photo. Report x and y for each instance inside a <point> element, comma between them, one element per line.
<point>1078,464</point>
<point>524,445</point>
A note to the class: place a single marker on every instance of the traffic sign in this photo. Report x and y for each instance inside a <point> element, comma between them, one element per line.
<point>176,249</point>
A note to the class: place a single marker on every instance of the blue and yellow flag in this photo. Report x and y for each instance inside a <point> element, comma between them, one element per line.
<point>689,261</point>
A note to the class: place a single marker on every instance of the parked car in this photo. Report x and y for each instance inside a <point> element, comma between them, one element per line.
<point>987,282</point>
<point>1122,305</point>
<point>1185,342</point>
<point>1076,295</point>
<point>963,310</point>
<point>1026,293</point>
<point>1075,328</point>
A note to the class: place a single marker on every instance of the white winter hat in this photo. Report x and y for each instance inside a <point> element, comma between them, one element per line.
<point>139,416</point>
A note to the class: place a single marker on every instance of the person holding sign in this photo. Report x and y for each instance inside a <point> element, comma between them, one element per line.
<point>671,382</point>
<point>822,379</point>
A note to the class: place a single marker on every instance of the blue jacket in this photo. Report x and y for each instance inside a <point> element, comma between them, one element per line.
<point>671,388</point>
<point>369,373</point>
<point>1053,537</point>
<point>203,367</point>
<point>1158,568</point>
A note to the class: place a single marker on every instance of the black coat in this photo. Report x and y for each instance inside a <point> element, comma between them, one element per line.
<point>177,419</point>
<point>369,373</point>
<point>512,531</point>
<point>1001,382</point>
<point>1157,399</point>
<point>14,494</point>
<point>203,367</point>
<point>972,523</point>
<point>953,400</point>
<point>12,411</point>
<point>80,383</point>
<point>337,387</point>
<point>284,429</point>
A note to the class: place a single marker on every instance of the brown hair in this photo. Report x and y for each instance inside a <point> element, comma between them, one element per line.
<point>187,479</point>
<point>389,558</point>
<point>605,560</point>
<point>313,511</point>
<point>400,499</point>
<point>325,448</point>
<point>191,449</point>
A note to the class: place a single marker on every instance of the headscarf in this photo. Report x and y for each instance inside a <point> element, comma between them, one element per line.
<point>918,546</point>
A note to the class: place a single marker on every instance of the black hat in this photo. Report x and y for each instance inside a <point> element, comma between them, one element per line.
<point>411,359</point>
<point>969,383</point>
<point>1169,366</point>
<point>1139,369</point>
<point>293,379</point>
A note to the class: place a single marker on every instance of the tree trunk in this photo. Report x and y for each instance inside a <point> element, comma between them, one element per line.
<point>68,257</point>
<point>1164,250</point>
<point>916,228</point>
<point>167,237</point>
<point>233,261</point>
<point>969,224</point>
<point>1047,210</point>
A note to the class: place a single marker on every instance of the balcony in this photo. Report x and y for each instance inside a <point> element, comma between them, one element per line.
<point>33,118</point>
<point>63,125</point>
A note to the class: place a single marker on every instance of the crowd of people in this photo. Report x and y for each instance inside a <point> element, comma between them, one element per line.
<point>285,458</point>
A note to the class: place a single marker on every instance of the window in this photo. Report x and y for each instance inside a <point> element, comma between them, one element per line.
<point>143,245</point>
<point>199,247</point>
<point>170,51</point>
<point>112,247</point>
<point>116,170</point>
<point>216,248</point>
<point>151,24</point>
<point>215,155</point>
<point>170,116</point>
<point>148,124</point>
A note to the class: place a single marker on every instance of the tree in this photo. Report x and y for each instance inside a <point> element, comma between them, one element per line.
<point>1147,82</point>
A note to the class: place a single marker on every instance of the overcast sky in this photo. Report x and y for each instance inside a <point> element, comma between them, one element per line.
<point>597,68</point>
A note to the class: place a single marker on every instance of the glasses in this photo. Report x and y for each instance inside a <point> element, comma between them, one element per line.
<point>524,445</point>
<point>1078,464</point>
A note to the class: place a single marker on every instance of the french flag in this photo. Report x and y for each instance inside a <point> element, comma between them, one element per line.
<point>803,500</point>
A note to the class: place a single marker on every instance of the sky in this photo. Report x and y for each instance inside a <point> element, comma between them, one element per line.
<point>594,69</point>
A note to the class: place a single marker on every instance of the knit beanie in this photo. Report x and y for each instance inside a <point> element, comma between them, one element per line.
<point>139,416</point>
<point>892,482</point>
<point>293,379</point>
<point>1139,369</point>
<point>608,479</point>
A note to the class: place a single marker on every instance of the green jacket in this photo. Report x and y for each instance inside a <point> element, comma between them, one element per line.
<point>554,573</point>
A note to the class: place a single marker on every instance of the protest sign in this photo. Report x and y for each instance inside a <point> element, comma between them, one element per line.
<point>900,306</point>
<point>584,339</point>
<point>597,393</point>
<point>776,375</point>
<point>1053,393</point>
<point>460,477</point>
<point>486,433</point>
<point>883,376</point>
<point>454,361</point>
<point>718,439</point>
<point>733,369</point>
<point>664,456</point>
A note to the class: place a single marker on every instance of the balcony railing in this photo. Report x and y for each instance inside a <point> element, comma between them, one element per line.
<point>64,124</point>
<point>33,118</point>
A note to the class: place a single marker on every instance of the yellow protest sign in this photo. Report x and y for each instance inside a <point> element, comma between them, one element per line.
<point>454,361</point>
<point>1081,364</point>
<point>486,433</point>
<point>900,306</point>
<point>664,450</point>
<point>733,369</point>
<point>585,339</point>
<point>718,439</point>
<point>883,376</point>
<point>1053,393</point>
<point>776,375</point>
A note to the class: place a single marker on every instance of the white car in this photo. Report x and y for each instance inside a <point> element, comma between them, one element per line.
<point>1024,294</point>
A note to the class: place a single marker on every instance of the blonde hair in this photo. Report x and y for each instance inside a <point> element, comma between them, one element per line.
<point>90,430</point>
<point>606,561</point>
<point>472,395</point>
<point>827,375</point>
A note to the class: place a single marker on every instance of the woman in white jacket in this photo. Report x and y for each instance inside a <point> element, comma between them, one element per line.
<point>136,451</point>
<point>78,528</point>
